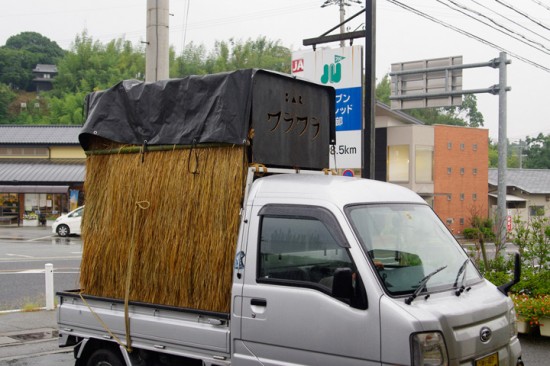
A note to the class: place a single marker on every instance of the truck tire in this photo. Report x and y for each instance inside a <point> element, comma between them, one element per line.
<point>105,357</point>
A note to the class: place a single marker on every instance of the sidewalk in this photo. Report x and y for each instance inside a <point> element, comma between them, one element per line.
<point>14,232</point>
<point>23,334</point>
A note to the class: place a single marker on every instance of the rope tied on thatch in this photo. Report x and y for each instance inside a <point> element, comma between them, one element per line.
<point>143,205</point>
<point>103,324</point>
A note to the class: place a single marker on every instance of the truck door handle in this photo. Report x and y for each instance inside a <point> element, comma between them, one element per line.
<point>258,302</point>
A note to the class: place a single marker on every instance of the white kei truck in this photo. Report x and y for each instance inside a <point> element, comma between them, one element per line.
<point>328,270</point>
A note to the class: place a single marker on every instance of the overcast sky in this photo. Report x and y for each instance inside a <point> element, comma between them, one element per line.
<point>401,36</point>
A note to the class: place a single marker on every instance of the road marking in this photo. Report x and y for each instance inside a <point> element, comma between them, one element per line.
<point>19,255</point>
<point>42,238</point>
<point>39,271</point>
<point>36,259</point>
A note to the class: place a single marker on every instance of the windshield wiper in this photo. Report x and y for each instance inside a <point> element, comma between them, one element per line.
<point>422,285</point>
<point>460,271</point>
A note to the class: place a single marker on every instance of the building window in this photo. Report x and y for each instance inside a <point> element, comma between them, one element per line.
<point>449,221</point>
<point>474,171</point>
<point>449,170</point>
<point>398,163</point>
<point>462,221</point>
<point>449,196</point>
<point>474,196</point>
<point>449,145</point>
<point>462,146</point>
<point>424,164</point>
<point>474,147</point>
<point>536,210</point>
<point>462,196</point>
<point>461,171</point>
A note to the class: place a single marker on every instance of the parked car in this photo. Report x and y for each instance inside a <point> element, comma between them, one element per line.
<point>68,224</point>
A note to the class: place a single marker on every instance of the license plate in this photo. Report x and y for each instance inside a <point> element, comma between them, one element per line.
<point>491,360</point>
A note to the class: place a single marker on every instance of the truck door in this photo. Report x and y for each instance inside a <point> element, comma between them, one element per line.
<point>303,299</point>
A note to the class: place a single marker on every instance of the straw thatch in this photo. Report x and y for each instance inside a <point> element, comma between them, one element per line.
<point>174,230</point>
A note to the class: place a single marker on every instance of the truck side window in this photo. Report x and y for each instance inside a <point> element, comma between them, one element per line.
<point>301,251</point>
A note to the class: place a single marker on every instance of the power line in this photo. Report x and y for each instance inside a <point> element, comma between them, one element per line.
<point>510,20</point>
<point>541,4</point>
<point>468,34</point>
<point>509,32</point>
<point>185,24</point>
<point>537,22</point>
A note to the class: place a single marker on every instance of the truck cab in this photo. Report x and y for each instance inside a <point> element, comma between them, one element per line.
<point>336,270</point>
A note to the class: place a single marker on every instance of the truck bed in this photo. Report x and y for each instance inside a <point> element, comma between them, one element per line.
<point>160,328</point>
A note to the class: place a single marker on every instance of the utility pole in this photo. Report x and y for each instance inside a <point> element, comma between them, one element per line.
<point>156,55</point>
<point>502,148</point>
<point>342,4</point>
<point>368,139</point>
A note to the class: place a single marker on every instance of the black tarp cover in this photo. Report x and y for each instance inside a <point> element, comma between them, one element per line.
<point>292,120</point>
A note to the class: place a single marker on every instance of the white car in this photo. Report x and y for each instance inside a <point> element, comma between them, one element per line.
<point>68,224</point>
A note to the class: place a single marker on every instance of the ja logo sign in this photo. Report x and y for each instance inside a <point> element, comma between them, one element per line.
<point>332,73</point>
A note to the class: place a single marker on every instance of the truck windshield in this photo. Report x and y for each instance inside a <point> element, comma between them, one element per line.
<point>406,242</point>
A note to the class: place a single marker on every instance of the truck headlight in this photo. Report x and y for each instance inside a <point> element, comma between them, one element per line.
<point>428,349</point>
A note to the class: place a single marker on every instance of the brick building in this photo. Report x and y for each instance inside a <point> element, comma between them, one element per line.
<point>445,165</point>
<point>460,175</point>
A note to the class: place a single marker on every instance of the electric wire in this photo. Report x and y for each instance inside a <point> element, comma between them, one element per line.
<point>185,24</point>
<point>510,20</point>
<point>537,22</point>
<point>468,34</point>
<point>509,32</point>
<point>541,4</point>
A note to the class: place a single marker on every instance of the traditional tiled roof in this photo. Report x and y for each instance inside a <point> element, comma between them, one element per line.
<point>28,171</point>
<point>45,68</point>
<point>534,181</point>
<point>39,135</point>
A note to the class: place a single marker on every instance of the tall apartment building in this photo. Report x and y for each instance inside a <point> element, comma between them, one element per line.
<point>460,175</point>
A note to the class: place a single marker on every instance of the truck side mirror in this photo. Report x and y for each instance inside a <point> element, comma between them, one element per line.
<point>342,285</point>
<point>517,276</point>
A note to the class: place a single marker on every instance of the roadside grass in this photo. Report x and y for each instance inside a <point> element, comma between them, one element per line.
<point>28,304</point>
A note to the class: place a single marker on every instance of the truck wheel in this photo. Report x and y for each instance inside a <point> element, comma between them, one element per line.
<point>105,357</point>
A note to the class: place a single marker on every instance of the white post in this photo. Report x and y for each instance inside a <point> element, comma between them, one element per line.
<point>49,287</point>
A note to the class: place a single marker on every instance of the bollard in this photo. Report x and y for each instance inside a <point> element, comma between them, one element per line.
<point>49,287</point>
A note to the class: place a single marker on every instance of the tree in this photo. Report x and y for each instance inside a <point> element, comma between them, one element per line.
<point>383,90</point>
<point>260,53</point>
<point>493,154</point>
<point>6,97</point>
<point>192,61</point>
<point>538,152</point>
<point>465,115</point>
<point>47,50</point>
<point>21,54</point>
<point>16,68</point>
<point>90,65</point>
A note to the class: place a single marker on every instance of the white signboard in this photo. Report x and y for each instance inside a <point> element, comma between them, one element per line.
<point>340,68</point>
